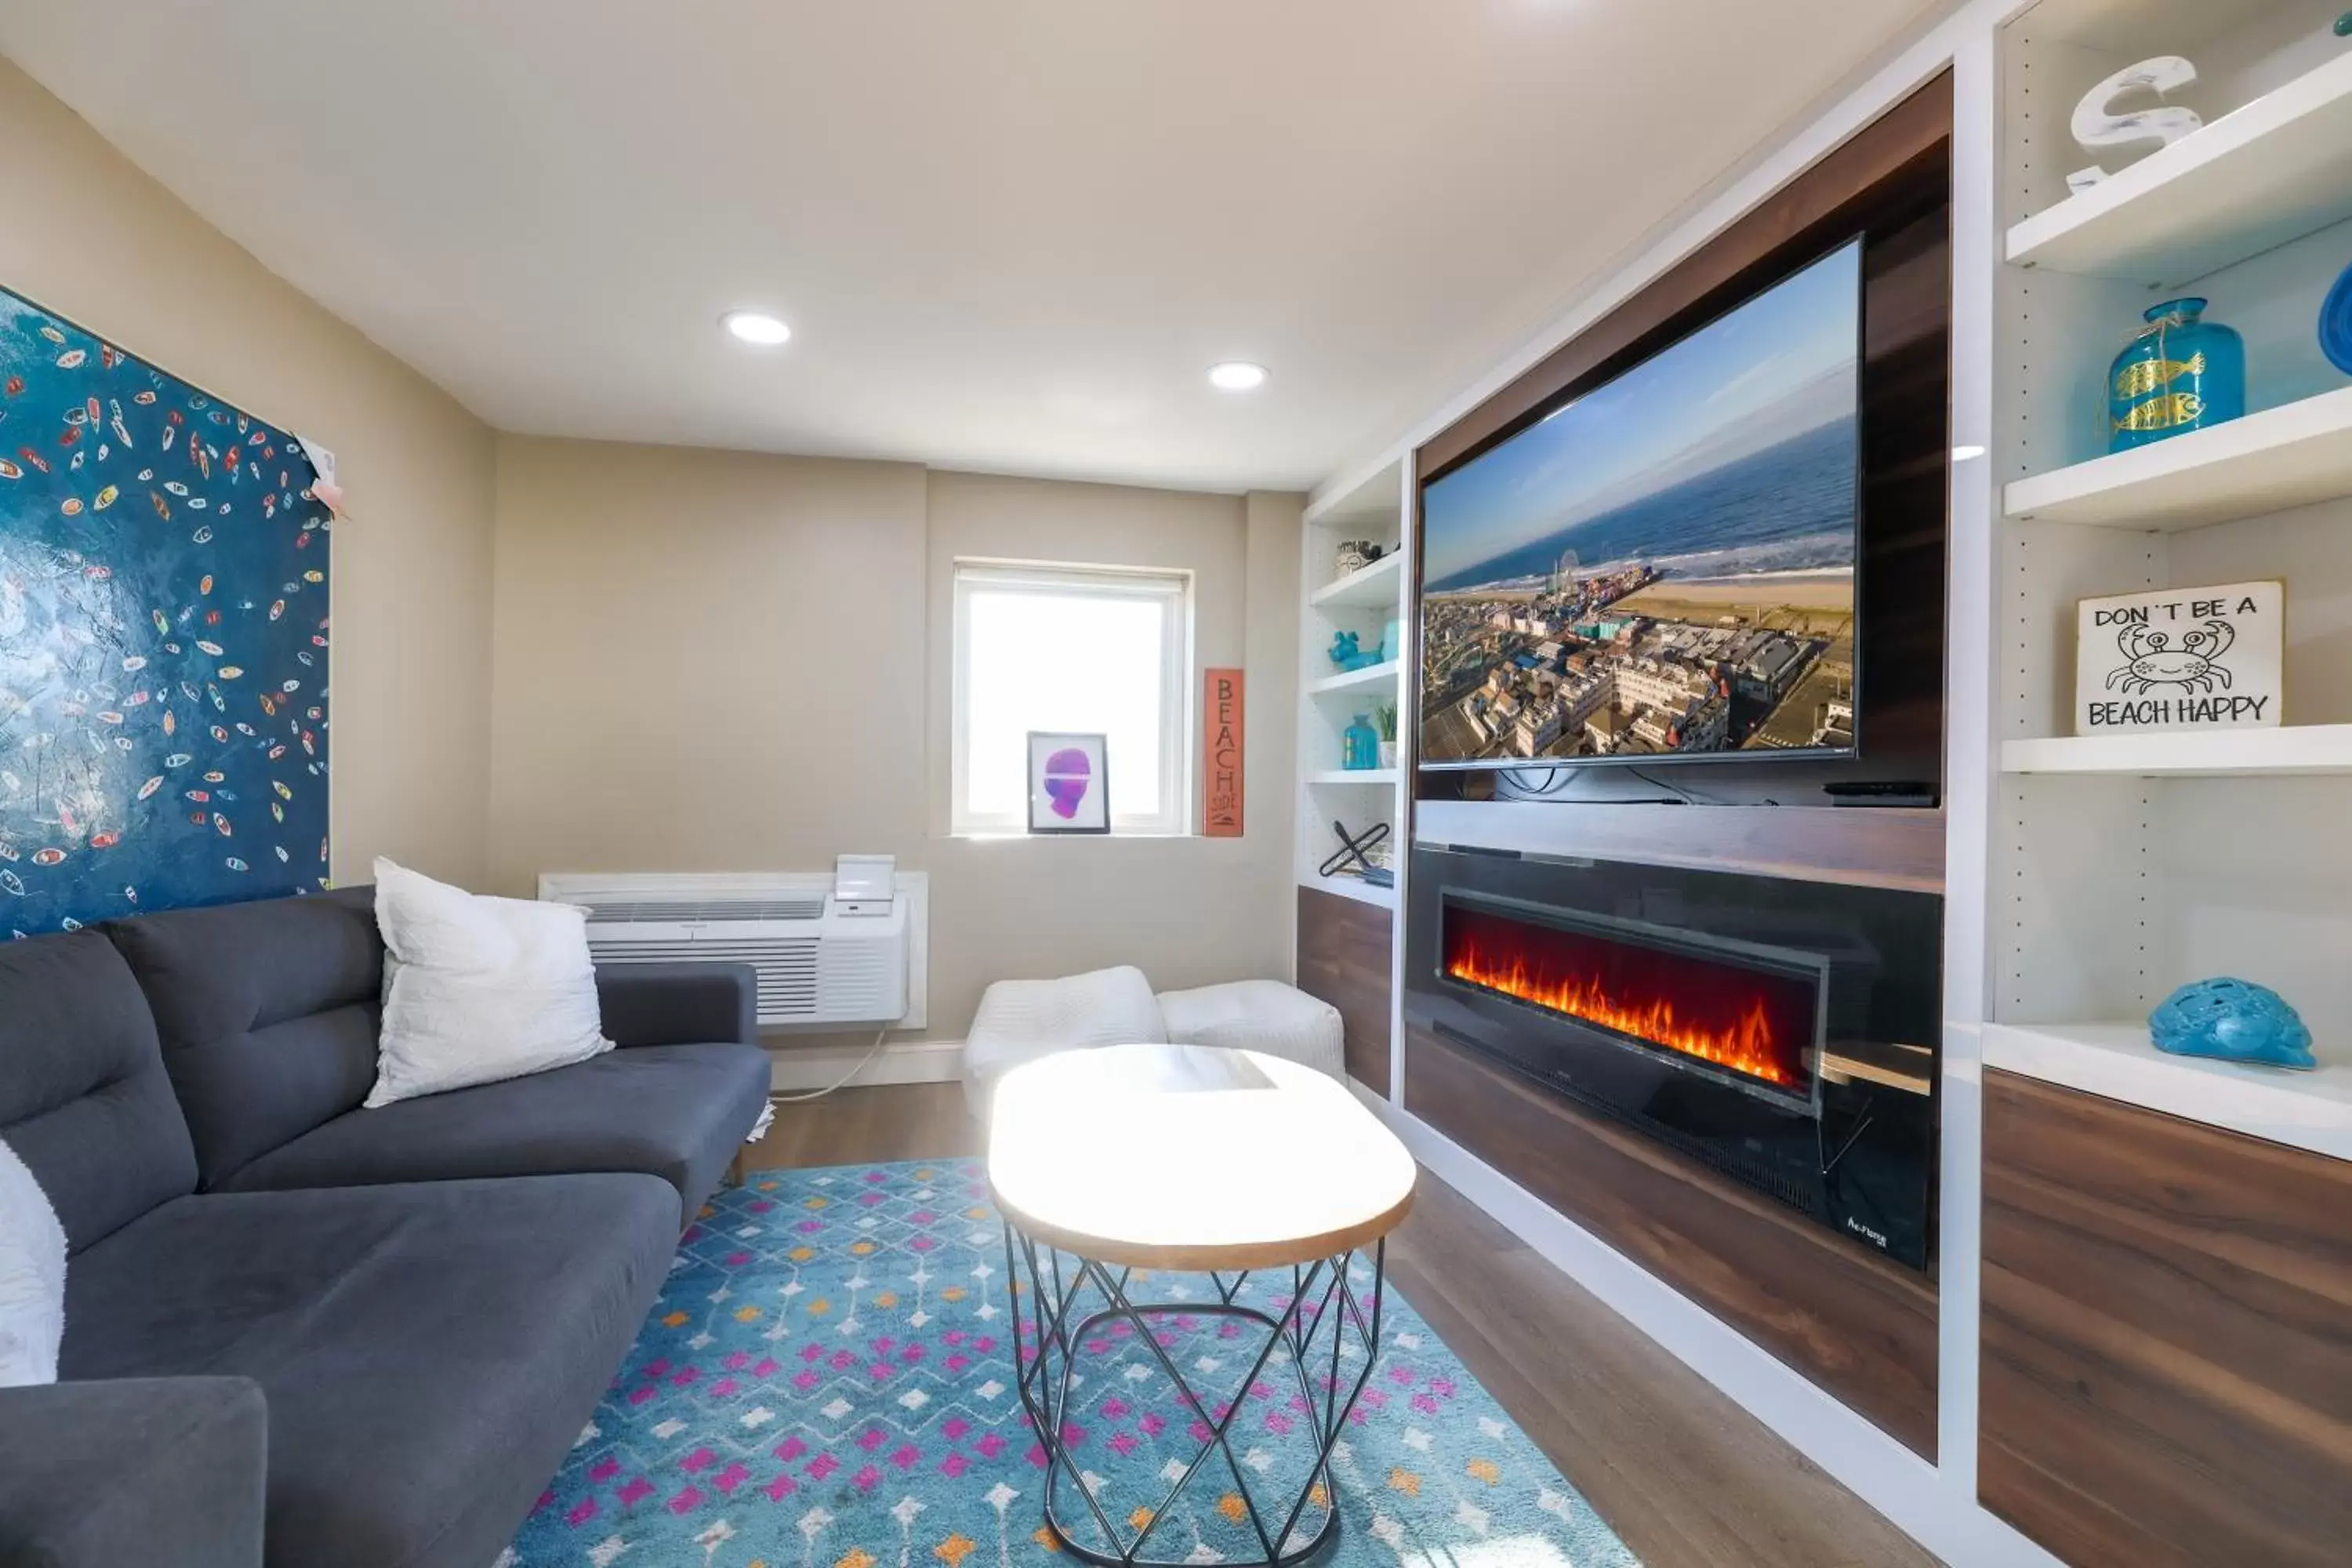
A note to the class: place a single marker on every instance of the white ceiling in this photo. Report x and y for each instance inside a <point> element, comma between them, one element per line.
<point>1009,235</point>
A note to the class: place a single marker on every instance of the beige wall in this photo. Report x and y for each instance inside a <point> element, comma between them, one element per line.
<point>570,655</point>
<point>722,661</point>
<point>706,661</point>
<point>86,234</point>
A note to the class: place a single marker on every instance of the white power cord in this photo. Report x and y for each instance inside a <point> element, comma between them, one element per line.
<point>863,1062</point>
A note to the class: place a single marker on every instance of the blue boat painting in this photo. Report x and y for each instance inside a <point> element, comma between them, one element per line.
<point>164,631</point>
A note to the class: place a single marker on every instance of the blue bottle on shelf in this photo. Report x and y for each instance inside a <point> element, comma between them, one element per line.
<point>1360,745</point>
<point>2180,372</point>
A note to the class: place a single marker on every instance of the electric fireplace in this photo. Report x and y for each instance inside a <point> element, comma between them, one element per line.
<point>1734,1012</point>
<point>1781,1032</point>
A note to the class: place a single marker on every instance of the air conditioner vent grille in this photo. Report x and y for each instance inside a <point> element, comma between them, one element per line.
<point>787,970</point>
<point>679,911</point>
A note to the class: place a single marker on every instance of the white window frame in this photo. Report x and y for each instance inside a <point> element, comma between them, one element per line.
<point>1168,585</point>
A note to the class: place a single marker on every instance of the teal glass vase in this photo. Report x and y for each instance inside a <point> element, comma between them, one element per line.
<point>2180,372</point>
<point>1360,745</point>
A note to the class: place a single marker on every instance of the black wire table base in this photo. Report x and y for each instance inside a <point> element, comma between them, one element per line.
<point>1324,1304</point>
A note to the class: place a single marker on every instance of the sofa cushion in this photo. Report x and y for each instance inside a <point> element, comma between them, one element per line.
<point>267,1011</point>
<point>476,988</point>
<point>429,1352</point>
<point>93,1475</point>
<point>679,1112</point>
<point>83,1099</point>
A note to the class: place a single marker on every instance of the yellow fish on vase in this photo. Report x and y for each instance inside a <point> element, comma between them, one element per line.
<point>2163,413</point>
<point>2139,379</point>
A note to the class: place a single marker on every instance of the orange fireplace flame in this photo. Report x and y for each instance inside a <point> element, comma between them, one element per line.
<point>1746,1046</point>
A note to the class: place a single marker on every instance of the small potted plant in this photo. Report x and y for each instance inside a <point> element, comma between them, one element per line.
<point>1384,719</point>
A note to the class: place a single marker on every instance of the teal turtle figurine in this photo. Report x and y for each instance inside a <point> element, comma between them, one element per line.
<point>2233,1020</point>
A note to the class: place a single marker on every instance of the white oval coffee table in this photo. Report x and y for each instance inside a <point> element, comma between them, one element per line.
<point>1189,1158</point>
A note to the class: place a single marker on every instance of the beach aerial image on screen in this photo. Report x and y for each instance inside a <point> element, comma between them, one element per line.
<point>1664,565</point>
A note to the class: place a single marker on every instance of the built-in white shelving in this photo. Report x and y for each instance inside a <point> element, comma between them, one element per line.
<point>1363,602</point>
<point>2286,457</point>
<point>2274,170</point>
<point>1373,586</point>
<point>2117,1061</point>
<point>1364,679</point>
<point>2291,749</point>
<point>2121,866</point>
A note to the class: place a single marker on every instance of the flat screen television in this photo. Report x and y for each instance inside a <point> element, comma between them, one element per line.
<point>1663,568</point>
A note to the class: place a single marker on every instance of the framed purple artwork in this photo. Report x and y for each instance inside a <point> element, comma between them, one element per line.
<point>1069,784</point>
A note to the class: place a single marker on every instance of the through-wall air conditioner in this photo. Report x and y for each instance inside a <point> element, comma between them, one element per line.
<point>823,961</point>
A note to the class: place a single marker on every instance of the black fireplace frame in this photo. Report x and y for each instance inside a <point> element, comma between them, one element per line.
<point>1858,1154</point>
<point>1811,967</point>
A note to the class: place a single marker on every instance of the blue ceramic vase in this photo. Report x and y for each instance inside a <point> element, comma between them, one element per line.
<point>1360,745</point>
<point>2235,1020</point>
<point>2180,372</point>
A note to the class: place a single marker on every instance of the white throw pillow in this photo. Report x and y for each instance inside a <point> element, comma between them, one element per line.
<point>32,1278</point>
<point>477,989</point>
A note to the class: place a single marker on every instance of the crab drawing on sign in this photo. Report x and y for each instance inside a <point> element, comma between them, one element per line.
<point>2191,661</point>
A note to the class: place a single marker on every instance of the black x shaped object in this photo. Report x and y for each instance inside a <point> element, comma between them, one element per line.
<point>1352,848</point>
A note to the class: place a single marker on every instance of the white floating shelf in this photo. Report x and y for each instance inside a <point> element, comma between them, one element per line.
<point>2290,455</point>
<point>2116,1061</point>
<point>1352,887</point>
<point>1387,776</point>
<point>1375,586</point>
<point>1358,680</point>
<point>2188,754</point>
<point>2276,170</point>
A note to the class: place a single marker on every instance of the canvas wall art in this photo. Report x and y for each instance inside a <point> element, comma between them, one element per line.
<point>164,640</point>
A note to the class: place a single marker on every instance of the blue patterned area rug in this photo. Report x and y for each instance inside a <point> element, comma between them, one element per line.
<point>827,1382</point>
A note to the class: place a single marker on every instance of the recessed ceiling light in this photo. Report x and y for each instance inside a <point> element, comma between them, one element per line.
<point>1237,376</point>
<point>756,327</point>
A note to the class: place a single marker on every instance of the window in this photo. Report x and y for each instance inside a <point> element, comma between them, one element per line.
<point>1077,648</point>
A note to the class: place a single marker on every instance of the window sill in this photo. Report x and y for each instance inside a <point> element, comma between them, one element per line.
<point>1012,836</point>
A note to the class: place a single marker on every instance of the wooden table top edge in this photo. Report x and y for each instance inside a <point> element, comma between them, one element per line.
<point>1201,1257</point>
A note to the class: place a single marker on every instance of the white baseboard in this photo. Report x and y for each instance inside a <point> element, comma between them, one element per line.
<point>900,1061</point>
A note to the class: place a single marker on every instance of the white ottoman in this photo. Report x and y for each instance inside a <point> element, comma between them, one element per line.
<point>1020,1020</point>
<point>1257,1015</point>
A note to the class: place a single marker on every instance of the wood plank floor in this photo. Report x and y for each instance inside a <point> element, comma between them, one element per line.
<point>1686,1477</point>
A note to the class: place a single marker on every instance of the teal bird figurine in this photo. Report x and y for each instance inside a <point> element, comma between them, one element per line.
<point>2343,26</point>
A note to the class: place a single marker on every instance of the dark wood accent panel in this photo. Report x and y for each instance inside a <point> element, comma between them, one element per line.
<point>2166,1373</point>
<point>1856,845</point>
<point>1346,957</point>
<point>1719,272</point>
<point>1861,1328</point>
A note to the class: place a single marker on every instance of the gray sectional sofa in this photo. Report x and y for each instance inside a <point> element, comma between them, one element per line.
<point>300,1333</point>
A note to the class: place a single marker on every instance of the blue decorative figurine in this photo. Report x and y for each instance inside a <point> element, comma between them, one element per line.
<point>2336,315</point>
<point>1343,648</point>
<point>2180,372</point>
<point>2235,1020</point>
<point>1360,746</point>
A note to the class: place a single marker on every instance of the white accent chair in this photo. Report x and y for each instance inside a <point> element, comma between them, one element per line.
<point>1022,1020</point>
